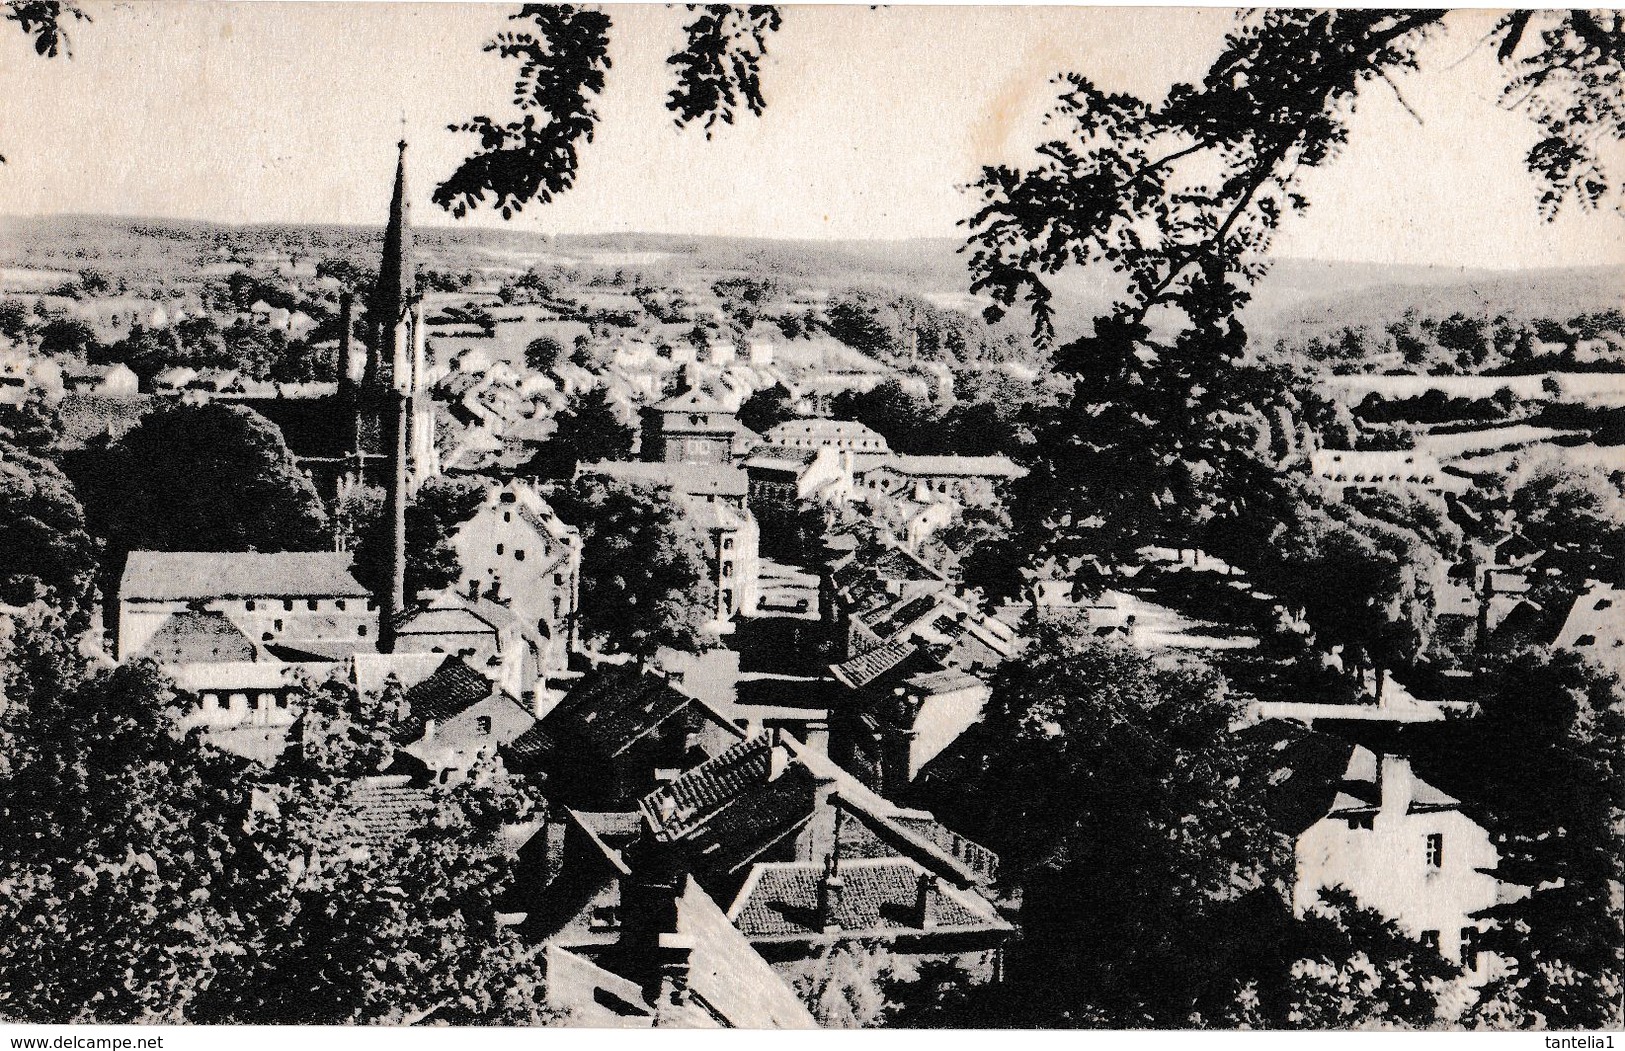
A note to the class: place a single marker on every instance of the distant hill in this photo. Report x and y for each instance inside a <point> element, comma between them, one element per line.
<point>1298,296</point>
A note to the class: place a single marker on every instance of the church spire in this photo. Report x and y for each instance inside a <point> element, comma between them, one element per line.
<point>396,280</point>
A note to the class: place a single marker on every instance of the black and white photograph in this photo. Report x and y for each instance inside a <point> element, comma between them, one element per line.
<point>810,517</point>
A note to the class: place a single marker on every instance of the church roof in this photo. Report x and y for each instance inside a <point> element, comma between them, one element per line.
<point>161,576</point>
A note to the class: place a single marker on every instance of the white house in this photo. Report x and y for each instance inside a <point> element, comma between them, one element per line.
<point>1405,849</point>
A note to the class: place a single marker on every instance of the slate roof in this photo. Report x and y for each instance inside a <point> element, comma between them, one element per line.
<point>879,896</point>
<point>185,638</point>
<point>614,709</point>
<point>165,576</point>
<point>726,811</point>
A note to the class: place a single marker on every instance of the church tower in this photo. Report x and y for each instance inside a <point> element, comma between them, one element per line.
<point>393,393</point>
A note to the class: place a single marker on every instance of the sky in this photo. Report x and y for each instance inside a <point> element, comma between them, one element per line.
<point>876,120</point>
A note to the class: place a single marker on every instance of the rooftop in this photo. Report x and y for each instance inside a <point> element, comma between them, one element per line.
<point>879,896</point>
<point>695,479</point>
<point>172,576</point>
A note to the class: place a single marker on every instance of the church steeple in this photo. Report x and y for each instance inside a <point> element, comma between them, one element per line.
<point>391,300</point>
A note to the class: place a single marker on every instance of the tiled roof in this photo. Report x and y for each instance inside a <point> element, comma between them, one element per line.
<point>615,708</point>
<point>897,564</point>
<point>687,802</point>
<point>198,636</point>
<point>878,896</point>
<point>865,668</point>
<point>955,466</point>
<point>387,810</point>
<point>183,575</point>
<point>891,619</point>
<point>695,479</point>
<point>452,689</point>
<point>530,746</point>
<point>832,431</point>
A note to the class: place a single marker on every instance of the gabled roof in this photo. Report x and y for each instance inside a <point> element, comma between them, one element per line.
<point>450,691</point>
<point>185,575</point>
<point>194,635</point>
<point>695,399</point>
<point>879,897</point>
<point>1595,626</point>
<point>678,808</point>
<point>613,710</point>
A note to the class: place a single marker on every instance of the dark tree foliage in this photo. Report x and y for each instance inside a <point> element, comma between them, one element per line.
<point>128,873</point>
<point>1117,799</point>
<point>588,430</point>
<point>1542,764</point>
<point>543,353</point>
<point>645,581</point>
<point>45,551</point>
<point>720,69</point>
<point>209,477</point>
<point>562,62</point>
<point>440,506</point>
<point>767,408</point>
<point>534,158</point>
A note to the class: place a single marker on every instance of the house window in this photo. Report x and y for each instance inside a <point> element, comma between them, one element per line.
<point>518,554</point>
<point>287,604</point>
<point>727,569</point>
<point>507,516</point>
<point>361,630</point>
<point>1430,940</point>
<point>558,580</point>
<point>311,604</point>
<point>482,725</point>
<point>282,701</point>
<point>1469,948</point>
<point>1586,640</point>
<point>249,605</point>
<point>727,600</point>
<point>473,589</point>
<point>339,603</point>
<point>727,543</point>
<point>1436,850</point>
<point>276,625</point>
<point>1366,821</point>
<point>500,549</point>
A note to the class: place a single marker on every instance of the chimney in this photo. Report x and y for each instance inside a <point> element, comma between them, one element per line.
<point>393,602</point>
<point>822,834</point>
<point>1396,785</point>
<point>816,734</point>
<point>346,376</point>
<point>831,891</point>
<point>674,956</point>
<point>925,890</point>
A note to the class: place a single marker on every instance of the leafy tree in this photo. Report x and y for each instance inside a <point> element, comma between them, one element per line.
<point>911,424</point>
<point>45,23</point>
<point>67,338</point>
<point>645,581</point>
<point>128,874</point>
<point>209,477</point>
<point>1576,515</point>
<point>1542,765</point>
<point>1121,809</point>
<point>440,506</point>
<point>588,430</point>
<point>1182,199</point>
<point>561,68</point>
<point>44,547</point>
<point>543,354</point>
<point>767,408</point>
